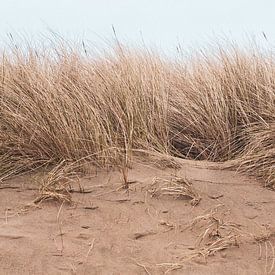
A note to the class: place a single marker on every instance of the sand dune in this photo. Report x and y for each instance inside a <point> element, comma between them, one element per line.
<point>109,230</point>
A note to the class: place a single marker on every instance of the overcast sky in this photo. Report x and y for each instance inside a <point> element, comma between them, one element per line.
<point>163,23</point>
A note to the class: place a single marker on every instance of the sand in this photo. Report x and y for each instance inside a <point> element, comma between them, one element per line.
<point>110,230</point>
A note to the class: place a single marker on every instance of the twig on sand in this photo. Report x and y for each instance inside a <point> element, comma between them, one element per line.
<point>273,258</point>
<point>4,186</point>
<point>60,227</point>
<point>140,235</point>
<point>171,266</point>
<point>141,265</point>
<point>91,207</point>
<point>91,246</point>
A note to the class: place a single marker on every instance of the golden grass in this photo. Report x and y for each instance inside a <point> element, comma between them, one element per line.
<point>62,105</point>
<point>259,154</point>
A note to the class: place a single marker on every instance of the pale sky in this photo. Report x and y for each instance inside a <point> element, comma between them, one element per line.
<point>163,23</point>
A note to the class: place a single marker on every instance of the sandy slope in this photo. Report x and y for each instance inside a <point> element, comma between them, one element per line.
<point>102,232</point>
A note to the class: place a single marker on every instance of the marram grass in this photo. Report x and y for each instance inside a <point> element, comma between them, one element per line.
<point>68,106</point>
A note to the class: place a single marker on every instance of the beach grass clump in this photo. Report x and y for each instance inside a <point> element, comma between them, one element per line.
<point>62,105</point>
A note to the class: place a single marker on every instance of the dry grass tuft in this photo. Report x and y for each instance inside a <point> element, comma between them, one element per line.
<point>176,187</point>
<point>266,248</point>
<point>56,184</point>
<point>211,248</point>
<point>259,155</point>
<point>216,234</point>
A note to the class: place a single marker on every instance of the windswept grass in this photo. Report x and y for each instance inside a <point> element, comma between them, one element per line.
<point>62,105</point>
<point>259,154</point>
